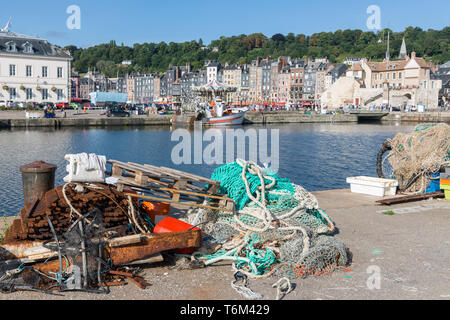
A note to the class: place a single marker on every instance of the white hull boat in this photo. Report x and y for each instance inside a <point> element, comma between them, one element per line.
<point>231,119</point>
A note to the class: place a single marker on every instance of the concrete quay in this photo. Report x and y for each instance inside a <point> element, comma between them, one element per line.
<point>16,119</point>
<point>93,118</point>
<point>409,251</point>
<point>418,117</point>
<point>272,117</point>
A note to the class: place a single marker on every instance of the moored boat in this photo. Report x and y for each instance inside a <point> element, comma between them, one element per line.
<point>227,119</point>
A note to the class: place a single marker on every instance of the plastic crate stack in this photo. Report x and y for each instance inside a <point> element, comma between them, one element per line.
<point>445,182</point>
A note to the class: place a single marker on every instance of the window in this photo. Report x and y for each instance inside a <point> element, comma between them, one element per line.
<point>29,93</point>
<point>399,75</point>
<point>44,94</point>
<point>44,72</point>
<point>12,69</point>
<point>27,48</point>
<point>12,93</point>
<point>11,46</point>
<point>393,76</point>
<point>29,71</point>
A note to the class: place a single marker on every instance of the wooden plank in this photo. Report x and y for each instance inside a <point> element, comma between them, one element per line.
<point>116,170</point>
<point>191,204</point>
<point>192,193</point>
<point>39,253</point>
<point>168,195</point>
<point>159,171</point>
<point>173,175</point>
<point>193,176</point>
<point>169,174</point>
<point>153,244</point>
<point>195,188</point>
<point>147,179</point>
<point>147,170</point>
<point>390,201</point>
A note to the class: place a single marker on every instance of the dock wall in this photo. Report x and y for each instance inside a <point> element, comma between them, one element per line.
<point>250,118</point>
<point>419,117</point>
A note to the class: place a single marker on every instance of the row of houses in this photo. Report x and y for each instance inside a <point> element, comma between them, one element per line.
<point>406,81</point>
<point>33,70</point>
<point>283,80</point>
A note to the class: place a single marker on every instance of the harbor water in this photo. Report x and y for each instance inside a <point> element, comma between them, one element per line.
<point>316,156</point>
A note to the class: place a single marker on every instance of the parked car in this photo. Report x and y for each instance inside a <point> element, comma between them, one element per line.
<point>87,105</point>
<point>64,105</point>
<point>116,111</point>
<point>74,105</point>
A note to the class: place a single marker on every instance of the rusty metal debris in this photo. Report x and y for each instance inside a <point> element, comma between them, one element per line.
<point>86,237</point>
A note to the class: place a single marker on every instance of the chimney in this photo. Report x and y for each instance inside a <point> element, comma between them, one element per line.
<point>413,55</point>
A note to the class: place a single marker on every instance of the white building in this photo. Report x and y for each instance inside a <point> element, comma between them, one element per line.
<point>212,70</point>
<point>33,70</point>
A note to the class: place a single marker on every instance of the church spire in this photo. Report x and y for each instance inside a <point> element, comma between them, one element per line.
<point>403,52</point>
<point>388,51</point>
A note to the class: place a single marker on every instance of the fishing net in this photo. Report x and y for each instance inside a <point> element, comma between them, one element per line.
<point>416,156</point>
<point>231,183</point>
<point>277,229</point>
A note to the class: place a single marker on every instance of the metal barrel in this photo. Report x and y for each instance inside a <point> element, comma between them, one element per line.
<point>37,178</point>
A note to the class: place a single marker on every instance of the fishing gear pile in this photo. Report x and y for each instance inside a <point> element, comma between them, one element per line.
<point>277,228</point>
<point>416,156</point>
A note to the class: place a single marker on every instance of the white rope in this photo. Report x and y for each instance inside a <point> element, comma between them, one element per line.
<point>244,290</point>
<point>259,210</point>
<point>264,213</point>
<point>284,287</point>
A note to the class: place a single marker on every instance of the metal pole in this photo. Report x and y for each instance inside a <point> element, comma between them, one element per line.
<point>83,253</point>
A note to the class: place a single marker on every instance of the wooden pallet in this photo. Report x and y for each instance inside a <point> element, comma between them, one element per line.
<point>169,185</point>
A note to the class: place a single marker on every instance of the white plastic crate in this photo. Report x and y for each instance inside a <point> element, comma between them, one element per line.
<point>373,186</point>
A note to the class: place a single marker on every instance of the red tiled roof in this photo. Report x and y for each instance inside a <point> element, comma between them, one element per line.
<point>383,66</point>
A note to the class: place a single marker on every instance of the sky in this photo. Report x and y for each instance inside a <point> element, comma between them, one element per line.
<point>139,21</point>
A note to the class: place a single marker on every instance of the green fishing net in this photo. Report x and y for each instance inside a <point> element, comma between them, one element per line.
<point>231,183</point>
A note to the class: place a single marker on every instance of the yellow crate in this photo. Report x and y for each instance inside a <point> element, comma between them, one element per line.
<point>445,186</point>
<point>447,194</point>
